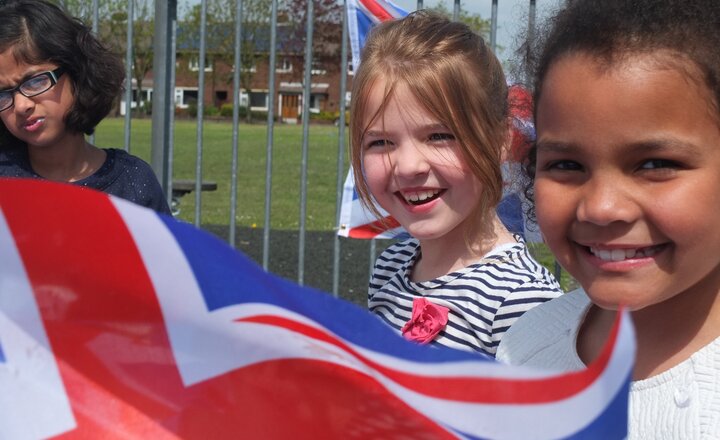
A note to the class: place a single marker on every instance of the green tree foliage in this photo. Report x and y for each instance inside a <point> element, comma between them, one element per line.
<point>112,30</point>
<point>474,21</point>
<point>327,28</point>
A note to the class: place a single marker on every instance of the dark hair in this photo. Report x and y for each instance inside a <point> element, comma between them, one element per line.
<point>612,30</point>
<point>38,32</point>
<point>452,72</point>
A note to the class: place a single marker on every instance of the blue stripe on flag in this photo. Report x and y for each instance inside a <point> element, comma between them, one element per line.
<point>2,355</point>
<point>226,278</point>
<point>613,421</point>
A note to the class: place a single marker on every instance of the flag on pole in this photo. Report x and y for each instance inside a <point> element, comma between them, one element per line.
<point>362,16</point>
<point>118,322</point>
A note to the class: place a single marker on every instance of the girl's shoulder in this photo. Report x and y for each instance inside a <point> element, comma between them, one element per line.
<point>516,261</point>
<point>403,250</point>
<point>545,336</point>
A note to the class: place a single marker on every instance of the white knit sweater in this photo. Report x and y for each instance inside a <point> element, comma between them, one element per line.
<point>680,403</point>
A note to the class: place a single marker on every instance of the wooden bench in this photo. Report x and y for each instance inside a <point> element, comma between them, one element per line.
<point>180,187</point>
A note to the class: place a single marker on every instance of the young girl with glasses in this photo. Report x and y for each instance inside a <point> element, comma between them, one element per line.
<point>626,171</point>
<point>57,82</point>
<point>429,122</point>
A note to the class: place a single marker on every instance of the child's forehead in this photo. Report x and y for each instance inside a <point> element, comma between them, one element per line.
<point>387,100</point>
<point>629,64</point>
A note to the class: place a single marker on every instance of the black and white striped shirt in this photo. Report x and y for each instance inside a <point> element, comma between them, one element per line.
<point>484,298</point>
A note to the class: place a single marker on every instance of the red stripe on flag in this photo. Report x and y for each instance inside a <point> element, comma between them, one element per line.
<point>469,389</point>
<point>377,10</point>
<point>106,330</point>
<point>372,230</point>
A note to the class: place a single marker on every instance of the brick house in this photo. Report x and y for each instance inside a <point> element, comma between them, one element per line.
<point>325,83</point>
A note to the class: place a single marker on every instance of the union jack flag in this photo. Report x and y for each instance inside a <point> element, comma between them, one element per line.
<point>117,322</point>
<point>362,16</point>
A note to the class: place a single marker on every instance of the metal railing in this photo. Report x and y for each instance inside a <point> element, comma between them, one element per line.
<point>163,106</point>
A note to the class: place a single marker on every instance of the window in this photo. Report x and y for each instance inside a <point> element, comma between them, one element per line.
<point>183,97</point>
<point>194,64</point>
<point>316,100</point>
<point>245,68</point>
<point>284,66</point>
<point>258,100</point>
<point>243,99</point>
<point>317,69</point>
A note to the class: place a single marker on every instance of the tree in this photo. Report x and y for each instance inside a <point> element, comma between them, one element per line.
<point>115,33</point>
<point>327,27</point>
<point>474,21</point>
<point>112,30</point>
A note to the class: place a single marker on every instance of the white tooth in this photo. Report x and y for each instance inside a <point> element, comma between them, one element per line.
<point>629,253</point>
<point>604,255</point>
<point>617,254</point>
<point>413,197</point>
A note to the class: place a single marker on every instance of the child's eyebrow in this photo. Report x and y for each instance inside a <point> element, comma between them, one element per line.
<point>663,145</point>
<point>660,145</point>
<point>428,127</point>
<point>555,146</point>
<point>29,74</point>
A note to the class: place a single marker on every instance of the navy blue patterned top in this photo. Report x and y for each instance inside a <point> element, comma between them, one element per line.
<point>122,175</point>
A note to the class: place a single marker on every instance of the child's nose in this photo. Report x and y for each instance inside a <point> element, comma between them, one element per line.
<point>409,160</point>
<point>22,103</point>
<point>605,201</point>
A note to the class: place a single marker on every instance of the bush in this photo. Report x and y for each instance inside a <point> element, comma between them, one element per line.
<point>226,110</point>
<point>211,110</point>
<point>324,116</point>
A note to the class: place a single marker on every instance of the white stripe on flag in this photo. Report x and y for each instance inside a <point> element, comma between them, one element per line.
<point>30,385</point>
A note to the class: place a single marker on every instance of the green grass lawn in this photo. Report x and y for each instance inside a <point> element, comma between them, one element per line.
<point>217,161</point>
<point>285,196</point>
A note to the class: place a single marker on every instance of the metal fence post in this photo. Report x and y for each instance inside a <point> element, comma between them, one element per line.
<point>341,149</point>
<point>128,72</point>
<point>270,132</point>
<point>200,111</point>
<point>236,121</point>
<point>163,90</point>
<point>307,90</point>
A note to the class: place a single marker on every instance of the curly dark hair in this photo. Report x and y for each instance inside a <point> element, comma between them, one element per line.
<point>38,32</point>
<point>611,30</point>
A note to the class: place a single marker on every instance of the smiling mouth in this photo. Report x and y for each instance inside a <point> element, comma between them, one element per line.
<point>625,254</point>
<point>417,198</point>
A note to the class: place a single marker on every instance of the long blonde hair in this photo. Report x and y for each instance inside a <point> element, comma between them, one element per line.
<point>456,77</point>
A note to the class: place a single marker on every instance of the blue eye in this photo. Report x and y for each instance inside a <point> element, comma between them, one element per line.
<point>378,143</point>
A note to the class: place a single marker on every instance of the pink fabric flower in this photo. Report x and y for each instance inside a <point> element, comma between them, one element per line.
<point>426,322</point>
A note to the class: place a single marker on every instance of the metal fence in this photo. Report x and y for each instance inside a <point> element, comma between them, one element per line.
<point>163,106</point>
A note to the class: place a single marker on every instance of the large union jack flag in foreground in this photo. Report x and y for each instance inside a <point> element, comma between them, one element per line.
<point>116,322</point>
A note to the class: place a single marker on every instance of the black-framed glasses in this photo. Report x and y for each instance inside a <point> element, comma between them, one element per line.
<point>40,83</point>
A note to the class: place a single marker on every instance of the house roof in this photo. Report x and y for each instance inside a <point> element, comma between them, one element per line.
<point>220,38</point>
